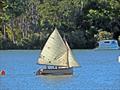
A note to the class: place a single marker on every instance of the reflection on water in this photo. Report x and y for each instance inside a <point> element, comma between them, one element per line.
<point>99,70</point>
<point>55,77</point>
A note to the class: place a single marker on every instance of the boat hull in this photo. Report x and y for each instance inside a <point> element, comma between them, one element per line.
<point>60,71</point>
<point>108,44</point>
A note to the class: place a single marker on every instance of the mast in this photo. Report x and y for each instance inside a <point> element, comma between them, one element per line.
<point>67,50</point>
<point>67,57</point>
<point>71,62</point>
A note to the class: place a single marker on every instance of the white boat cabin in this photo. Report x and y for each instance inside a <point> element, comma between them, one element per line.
<point>108,44</point>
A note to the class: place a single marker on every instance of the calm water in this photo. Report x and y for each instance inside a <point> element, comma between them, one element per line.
<point>99,70</point>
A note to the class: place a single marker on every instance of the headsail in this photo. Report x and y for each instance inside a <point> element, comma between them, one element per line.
<point>54,51</point>
<point>71,60</point>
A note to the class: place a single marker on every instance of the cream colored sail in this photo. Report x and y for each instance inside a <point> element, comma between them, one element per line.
<point>54,51</point>
<point>71,60</point>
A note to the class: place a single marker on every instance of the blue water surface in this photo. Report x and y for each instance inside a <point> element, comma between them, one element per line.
<point>99,70</point>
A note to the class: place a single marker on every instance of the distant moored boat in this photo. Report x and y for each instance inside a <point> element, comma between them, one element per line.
<point>108,44</point>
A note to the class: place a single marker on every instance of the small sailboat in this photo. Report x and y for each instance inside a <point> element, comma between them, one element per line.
<point>57,56</point>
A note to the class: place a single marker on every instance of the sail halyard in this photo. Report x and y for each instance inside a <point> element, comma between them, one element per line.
<point>54,51</point>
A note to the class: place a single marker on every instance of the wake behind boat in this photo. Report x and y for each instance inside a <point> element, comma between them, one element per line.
<point>57,56</point>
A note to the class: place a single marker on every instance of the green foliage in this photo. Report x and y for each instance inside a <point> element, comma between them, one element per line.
<point>16,7</point>
<point>104,35</point>
<point>28,23</point>
<point>1,40</point>
<point>9,33</point>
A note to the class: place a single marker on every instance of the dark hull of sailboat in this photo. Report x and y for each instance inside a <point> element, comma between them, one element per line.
<point>60,71</point>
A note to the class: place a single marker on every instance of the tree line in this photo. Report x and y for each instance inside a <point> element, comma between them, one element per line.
<point>26,24</point>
